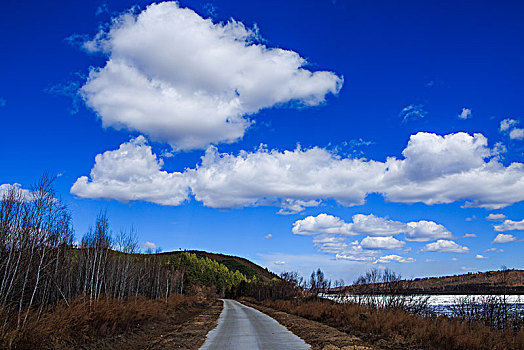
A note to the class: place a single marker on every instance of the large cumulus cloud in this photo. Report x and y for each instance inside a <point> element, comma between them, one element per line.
<point>182,79</point>
<point>435,169</point>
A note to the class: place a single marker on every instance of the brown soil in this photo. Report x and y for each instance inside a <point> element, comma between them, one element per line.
<point>316,334</point>
<point>186,329</point>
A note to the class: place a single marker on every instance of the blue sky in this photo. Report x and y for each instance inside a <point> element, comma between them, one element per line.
<point>301,134</point>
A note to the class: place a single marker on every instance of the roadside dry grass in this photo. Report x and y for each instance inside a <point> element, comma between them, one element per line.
<point>113,324</point>
<point>185,331</point>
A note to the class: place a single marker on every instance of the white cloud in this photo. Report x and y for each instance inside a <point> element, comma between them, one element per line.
<point>444,169</point>
<point>396,258</point>
<point>412,112</point>
<point>516,134</point>
<point>496,250</point>
<point>445,246</point>
<point>465,268</point>
<point>293,206</point>
<point>185,80</point>
<point>331,233</point>
<point>470,235</point>
<point>279,262</point>
<point>504,238</point>
<point>370,225</point>
<point>132,173</point>
<point>322,223</point>
<point>376,226</point>
<point>423,231</point>
<point>357,253</point>
<point>498,148</point>
<point>21,193</point>
<point>510,225</point>
<point>331,244</point>
<point>268,236</point>
<point>435,169</point>
<point>265,177</point>
<point>506,124</point>
<point>148,245</point>
<point>465,114</point>
<point>381,243</point>
<point>495,217</point>
<point>480,256</point>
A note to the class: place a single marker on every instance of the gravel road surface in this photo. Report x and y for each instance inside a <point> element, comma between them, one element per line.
<point>241,327</point>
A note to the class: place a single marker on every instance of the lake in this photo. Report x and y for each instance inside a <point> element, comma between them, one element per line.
<point>440,304</point>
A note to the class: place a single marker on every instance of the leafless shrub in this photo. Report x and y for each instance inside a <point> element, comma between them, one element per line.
<point>385,289</point>
<point>491,310</point>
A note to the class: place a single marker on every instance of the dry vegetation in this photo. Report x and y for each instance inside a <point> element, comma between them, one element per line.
<point>398,326</point>
<point>88,323</point>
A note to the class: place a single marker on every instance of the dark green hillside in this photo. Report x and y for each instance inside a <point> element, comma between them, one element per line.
<point>234,263</point>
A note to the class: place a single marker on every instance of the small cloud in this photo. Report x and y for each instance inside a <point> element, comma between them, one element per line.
<point>430,260</point>
<point>498,148</point>
<point>381,243</point>
<point>473,217</point>
<point>430,83</point>
<point>503,238</point>
<point>167,154</point>
<point>465,114</point>
<point>495,217</point>
<point>396,258</point>
<point>510,125</point>
<point>279,262</point>
<point>464,268</point>
<point>295,206</point>
<point>445,246</point>
<point>506,124</point>
<point>516,134</point>
<point>470,235</point>
<point>510,225</point>
<point>268,236</point>
<point>479,256</point>
<point>454,259</point>
<point>412,112</point>
<point>2,102</point>
<point>148,246</point>
<point>495,250</point>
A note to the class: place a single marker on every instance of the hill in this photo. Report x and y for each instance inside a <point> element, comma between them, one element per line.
<point>233,263</point>
<point>489,282</point>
